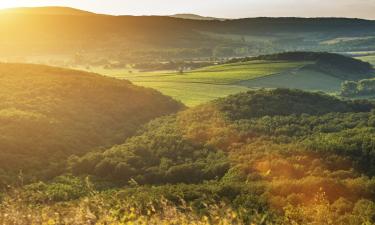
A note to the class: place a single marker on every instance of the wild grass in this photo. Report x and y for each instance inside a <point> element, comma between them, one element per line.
<point>102,209</point>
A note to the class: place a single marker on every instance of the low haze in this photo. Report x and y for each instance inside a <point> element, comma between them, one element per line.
<point>218,8</point>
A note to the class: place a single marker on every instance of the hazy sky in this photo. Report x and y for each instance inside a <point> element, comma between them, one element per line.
<point>218,8</point>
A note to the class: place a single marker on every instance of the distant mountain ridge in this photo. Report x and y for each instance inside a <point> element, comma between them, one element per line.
<point>63,32</point>
<point>191,16</point>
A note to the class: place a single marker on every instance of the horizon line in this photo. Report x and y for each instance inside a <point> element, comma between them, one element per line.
<point>182,13</point>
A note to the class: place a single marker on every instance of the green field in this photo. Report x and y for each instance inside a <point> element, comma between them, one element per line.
<point>344,39</point>
<point>369,58</point>
<point>304,79</point>
<point>192,94</point>
<point>205,84</point>
<point>220,74</point>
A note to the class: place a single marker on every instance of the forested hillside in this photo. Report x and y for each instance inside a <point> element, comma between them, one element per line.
<point>133,39</point>
<point>269,156</point>
<point>49,113</point>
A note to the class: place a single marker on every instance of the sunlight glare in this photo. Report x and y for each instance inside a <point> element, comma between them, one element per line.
<point>5,4</point>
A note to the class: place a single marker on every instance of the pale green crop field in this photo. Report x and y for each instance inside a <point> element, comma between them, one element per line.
<point>344,39</point>
<point>369,58</point>
<point>205,84</point>
<point>208,83</point>
<point>192,94</point>
<point>220,74</point>
<point>304,79</point>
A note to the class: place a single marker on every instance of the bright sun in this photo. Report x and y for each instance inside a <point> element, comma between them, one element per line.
<point>13,3</point>
<point>7,4</point>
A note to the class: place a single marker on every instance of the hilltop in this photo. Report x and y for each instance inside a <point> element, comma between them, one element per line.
<point>49,113</point>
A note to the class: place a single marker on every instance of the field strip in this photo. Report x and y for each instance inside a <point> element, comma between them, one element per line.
<point>182,82</point>
<point>270,75</point>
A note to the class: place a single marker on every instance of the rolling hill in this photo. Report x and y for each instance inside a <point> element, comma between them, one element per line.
<point>48,113</point>
<point>300,70</point>
<point>271,151</point>
<point>176,139</point>
<point>129,39</point>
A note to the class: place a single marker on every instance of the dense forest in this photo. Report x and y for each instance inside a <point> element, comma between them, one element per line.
<point>264,157</point>
<point>365,87</point>
<point>48,113</point>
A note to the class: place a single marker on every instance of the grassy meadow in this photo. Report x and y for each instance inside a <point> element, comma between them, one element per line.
<point>205,84</point>
<point>369,58</point>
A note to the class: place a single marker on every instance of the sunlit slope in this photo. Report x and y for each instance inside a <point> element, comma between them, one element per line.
<point>228,73</point>
<point>48,113</point>
<point>298,70</point>
<point>289,145</point>
<point>289,156</point>
<point>301,78</point>
<point>205,84</point>
<point>368,58</point>
<point>176,146</point>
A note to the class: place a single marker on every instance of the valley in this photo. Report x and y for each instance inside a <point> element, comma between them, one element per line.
<point>185,119</point>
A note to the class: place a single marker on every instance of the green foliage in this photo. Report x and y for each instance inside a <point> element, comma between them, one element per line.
<point>349,88</point>
<point>284,102</point>
<point>63,188</point>
<point>158,154</point>
<point>272,156</point>
<point>360,88</point>
<point>322,212</point>
<point>112,208</point>
<point>48,113</point>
